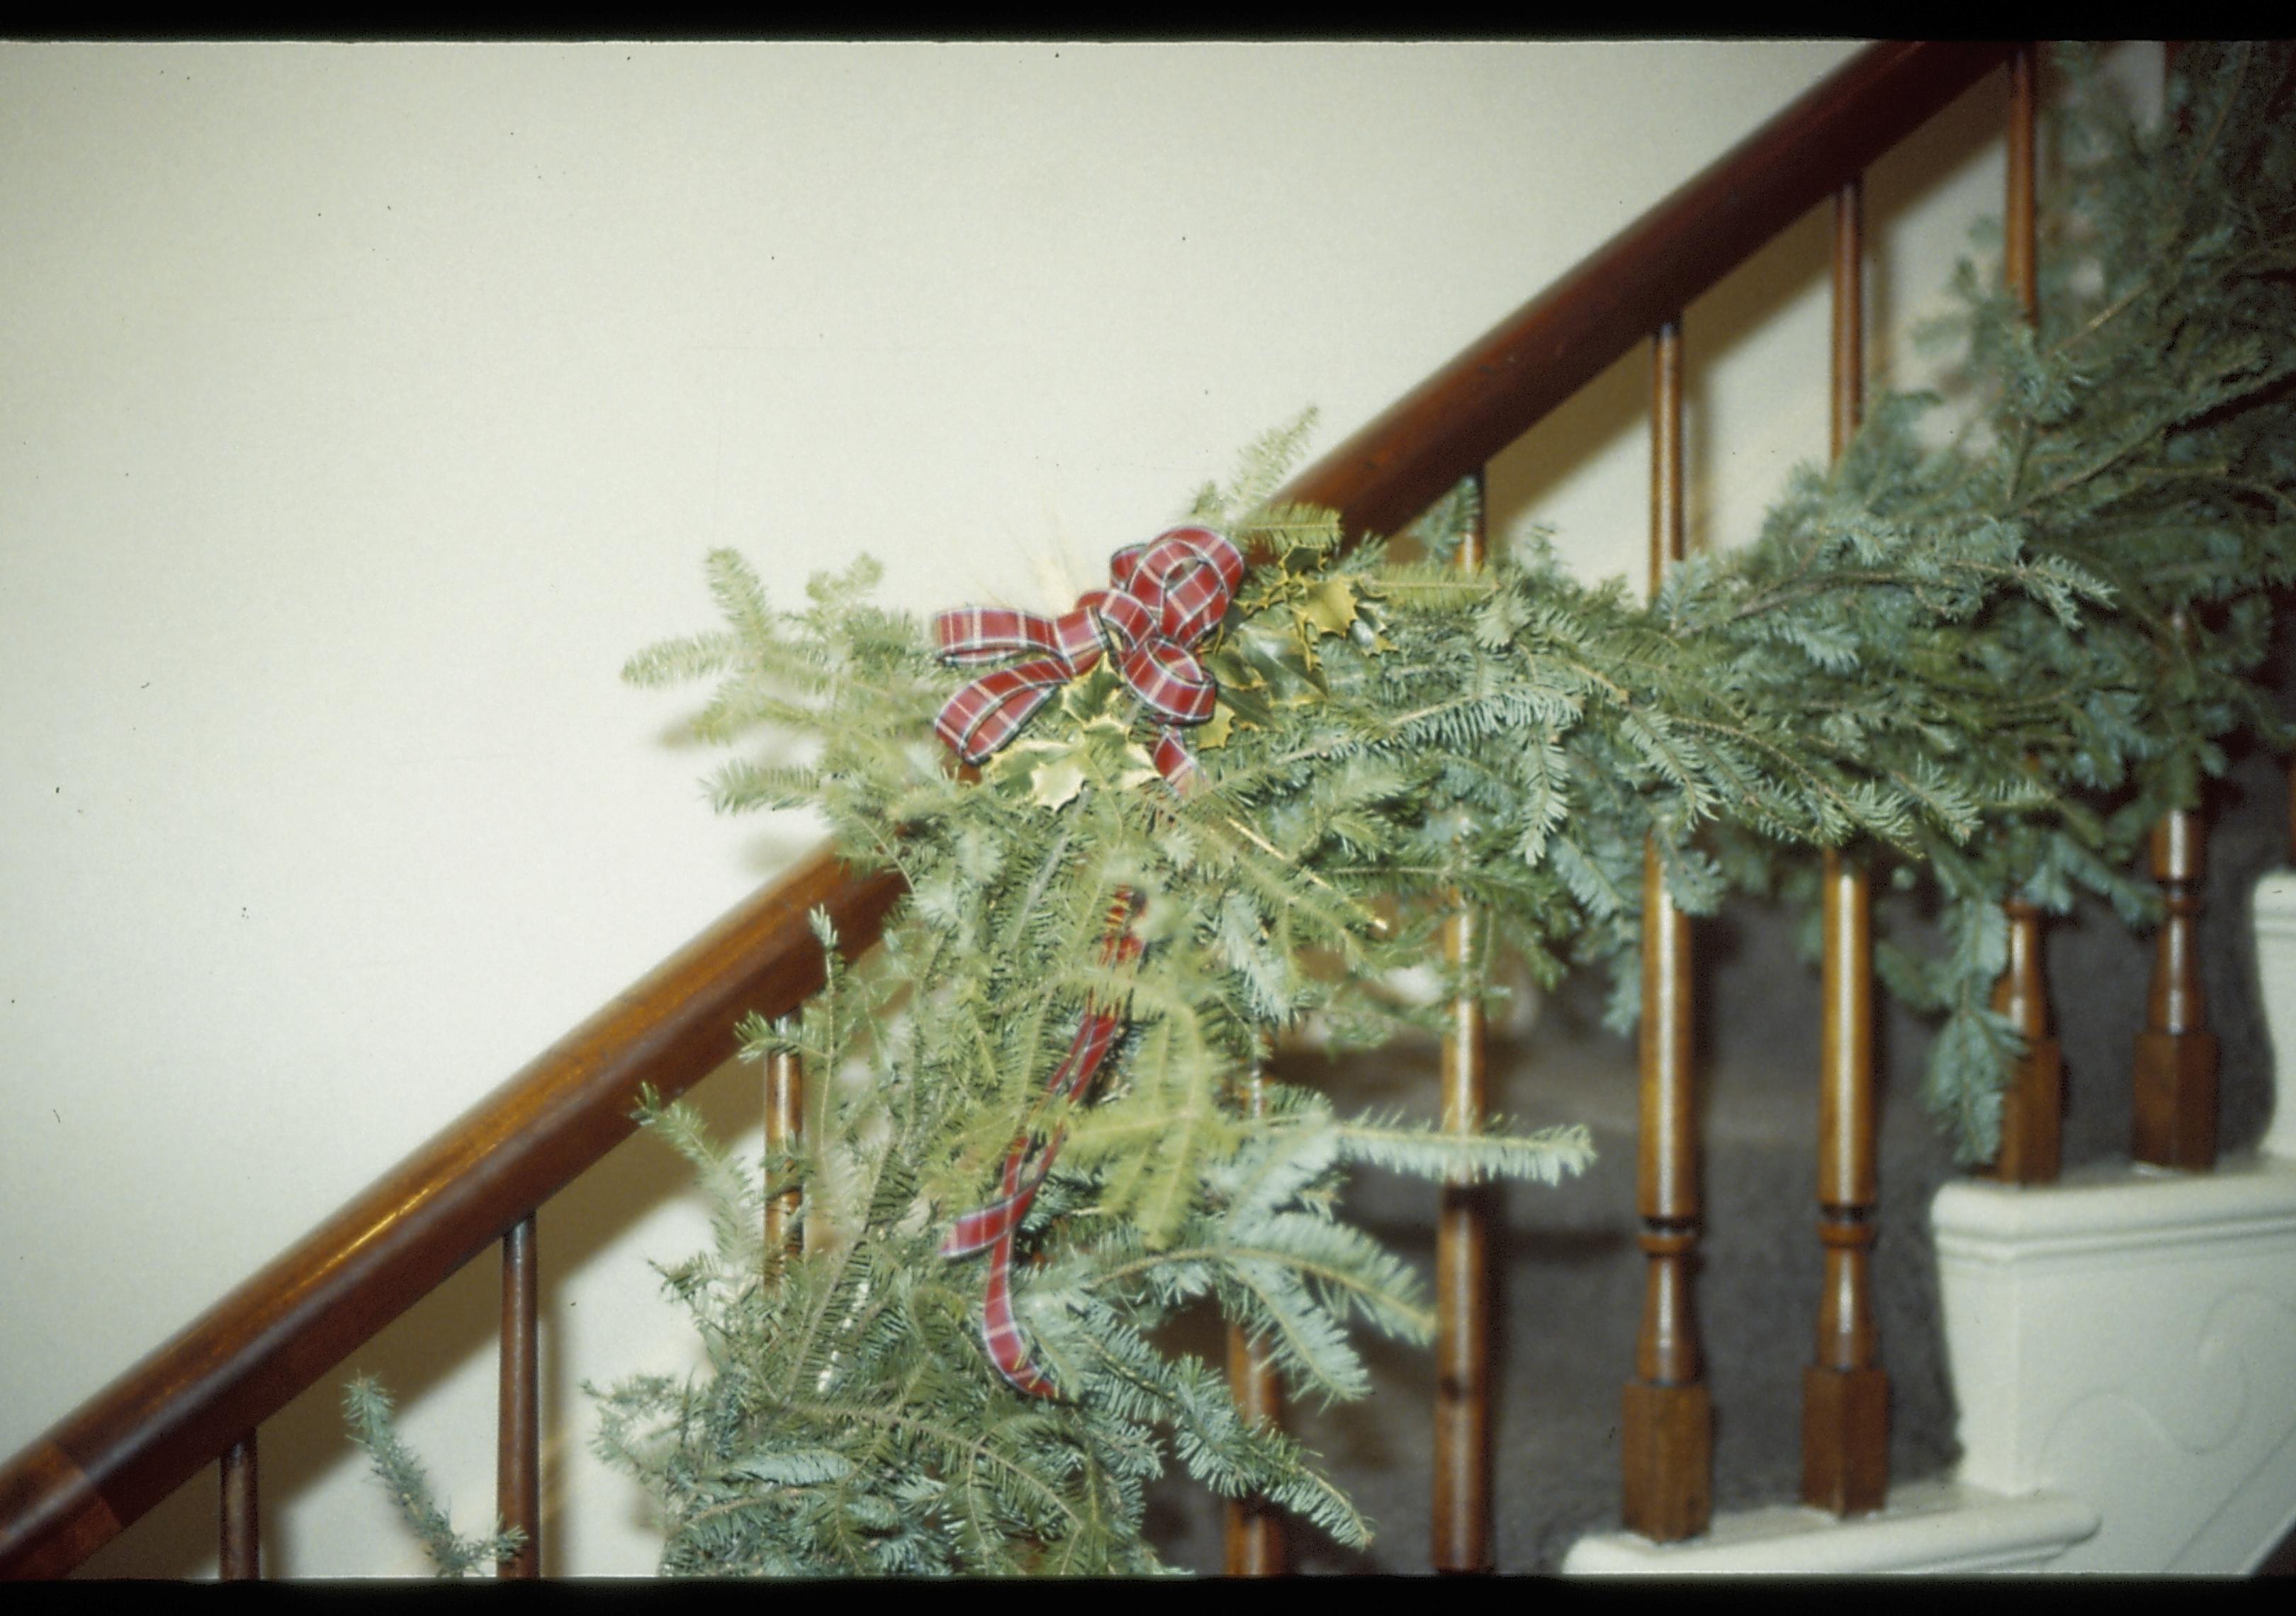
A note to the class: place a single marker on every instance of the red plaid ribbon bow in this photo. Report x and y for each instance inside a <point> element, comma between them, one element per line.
<point>994,1225</point>
<point>1163,597</point>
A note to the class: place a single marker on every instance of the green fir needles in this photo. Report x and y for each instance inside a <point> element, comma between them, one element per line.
<point>1989,666</point>
<point>368,1410</point>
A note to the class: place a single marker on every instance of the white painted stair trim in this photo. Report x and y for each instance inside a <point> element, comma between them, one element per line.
<point>2129,1337</point>
<point>2275,912</point>
<point>1927,1526</point>
<point>2123,1349</point>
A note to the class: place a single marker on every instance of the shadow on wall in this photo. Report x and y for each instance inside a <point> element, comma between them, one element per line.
<point>1523,479</point>
<point>453,1329</point>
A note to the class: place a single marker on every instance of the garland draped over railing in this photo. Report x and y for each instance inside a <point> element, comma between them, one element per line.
<point>1988,664</point>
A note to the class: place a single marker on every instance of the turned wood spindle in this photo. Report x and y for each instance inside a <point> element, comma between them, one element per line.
<point>518,1436</point>
<point>1849,392</point>
<point>1845,1422</point>
<point>1845,1431</point>
<point>2032,1105</point>
<point>2020,257</point>
<point>1462,1524</point>
<point>241,1559</point>
<point>1666,1425</point>
<point>2175,1076</point>
<point>784,1120</point>
<point>1255,1529</point>
<point>2174,1119</point>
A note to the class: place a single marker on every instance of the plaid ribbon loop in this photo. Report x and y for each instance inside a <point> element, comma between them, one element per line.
<point>1163,597</point>
<point>995,1225</point>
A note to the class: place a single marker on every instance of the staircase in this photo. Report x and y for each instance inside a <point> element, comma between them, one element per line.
<point>2044,1459</point>
<point>1966,1495</point>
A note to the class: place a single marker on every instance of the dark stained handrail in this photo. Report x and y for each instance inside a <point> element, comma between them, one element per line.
<point>1511,379</point>
<point>154,1427</point>
<point>152,1430</point>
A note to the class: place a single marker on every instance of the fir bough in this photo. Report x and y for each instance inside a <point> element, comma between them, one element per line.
<point>1994,664</point>
<point>368,1411</point>
<point>1989,667</point>
<point>852,1374</point>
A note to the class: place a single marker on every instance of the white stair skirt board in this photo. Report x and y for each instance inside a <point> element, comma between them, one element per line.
<point>2123,1351</point>
<point>2129,1338</point>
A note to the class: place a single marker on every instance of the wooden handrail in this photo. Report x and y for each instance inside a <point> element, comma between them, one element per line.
<point>1513,377</point>
<point>136,1442</point>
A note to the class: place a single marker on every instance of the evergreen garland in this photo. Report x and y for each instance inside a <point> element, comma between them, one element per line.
<point>368,1411</point>
<point>1985,668</point>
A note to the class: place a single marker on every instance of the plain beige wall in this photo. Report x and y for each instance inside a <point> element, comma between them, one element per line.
<point>362,407</point>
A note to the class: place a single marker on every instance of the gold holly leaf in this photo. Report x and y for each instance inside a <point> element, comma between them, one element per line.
<point>1056,781</point>
<point>1330,605</point>
<point>1139,769</point>
<point>1212,734</point>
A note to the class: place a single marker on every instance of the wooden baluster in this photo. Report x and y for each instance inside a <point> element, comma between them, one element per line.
<point>1462,1404</point>
<point>2175,1118</point>
<point>2020,258</point>
<point>1255,1529</point>
<point>2176,1107</point>
<point>518,1441</point>
<point>1845,1429</point>
<point>2032,1105</point>
<point>241,1546</point>
<point>1849,394</point>
<point>784,1119</point>
<point>1845,1419</point>
<point>1667,1428</point>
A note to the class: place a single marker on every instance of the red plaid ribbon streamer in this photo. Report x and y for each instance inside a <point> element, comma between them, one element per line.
<point>994,1225</point>
<point>1163,597</point>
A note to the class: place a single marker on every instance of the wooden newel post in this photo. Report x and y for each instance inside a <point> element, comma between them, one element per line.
<point>2033,1106</point>
<point>2175,1075</point>
<point>1845,1423</point>
<point>1462,1504</point>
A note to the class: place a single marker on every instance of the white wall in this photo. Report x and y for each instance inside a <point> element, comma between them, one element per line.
<point>361,407</point>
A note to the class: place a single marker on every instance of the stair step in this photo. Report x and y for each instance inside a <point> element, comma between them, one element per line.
<point>1938,1526</point>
